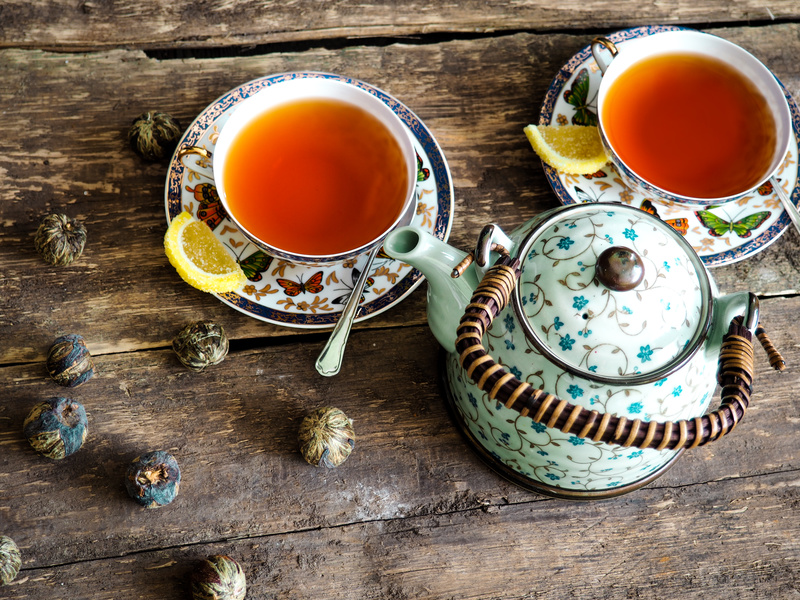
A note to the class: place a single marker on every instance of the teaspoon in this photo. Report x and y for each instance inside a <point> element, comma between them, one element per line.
<point>330,359</point>
<point>787,203</point>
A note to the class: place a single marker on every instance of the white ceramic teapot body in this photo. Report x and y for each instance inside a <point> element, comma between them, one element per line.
<point>648,353</point>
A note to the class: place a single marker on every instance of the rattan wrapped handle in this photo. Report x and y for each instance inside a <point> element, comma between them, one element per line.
<point>735,376</point>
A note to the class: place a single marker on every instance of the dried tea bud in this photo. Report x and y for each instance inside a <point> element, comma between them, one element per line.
<point>154,135</point>
<point>326,437</point>
<point>69,362</point>
<point>219,578</point>
<point>10,560</point>
<point>201,344</point>
<point>153,479</point>
<point>60,240</point>
<point>56,427</point>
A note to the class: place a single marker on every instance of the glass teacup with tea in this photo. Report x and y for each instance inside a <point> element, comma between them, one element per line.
<point>689,117</point>
<point>313,169</point>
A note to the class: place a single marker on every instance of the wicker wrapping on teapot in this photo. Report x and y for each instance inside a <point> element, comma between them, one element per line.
<point>734,375</point>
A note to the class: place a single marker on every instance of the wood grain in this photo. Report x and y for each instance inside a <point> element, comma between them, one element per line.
<point>516,550</point>
<point>233,429</point>
<point>149,24</point>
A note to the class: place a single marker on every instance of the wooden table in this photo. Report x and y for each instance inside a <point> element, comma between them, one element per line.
<point>413,513</point>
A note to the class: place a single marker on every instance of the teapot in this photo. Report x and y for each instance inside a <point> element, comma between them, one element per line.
<point>583,349</point>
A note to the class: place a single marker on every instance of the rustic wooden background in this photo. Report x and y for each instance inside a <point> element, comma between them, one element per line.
<point>413,513</point>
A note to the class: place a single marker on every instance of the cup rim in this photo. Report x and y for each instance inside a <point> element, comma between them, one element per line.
<point>397,128</point>
<point>778,106</point>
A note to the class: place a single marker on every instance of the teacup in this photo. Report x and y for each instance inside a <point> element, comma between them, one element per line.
<point>689,117</point>
<point>313,169</point>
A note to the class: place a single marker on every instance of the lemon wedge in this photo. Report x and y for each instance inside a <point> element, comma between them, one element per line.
<point>573,149</point>
<point>199,257</point>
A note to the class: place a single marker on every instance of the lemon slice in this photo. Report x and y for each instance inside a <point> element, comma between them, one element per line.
<point>573,149</point>
<point>199,257</point>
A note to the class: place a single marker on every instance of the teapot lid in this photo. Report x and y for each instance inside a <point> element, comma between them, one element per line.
<point>611,292</point>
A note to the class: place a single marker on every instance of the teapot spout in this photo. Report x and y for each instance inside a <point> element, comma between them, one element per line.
<point>447,296</point>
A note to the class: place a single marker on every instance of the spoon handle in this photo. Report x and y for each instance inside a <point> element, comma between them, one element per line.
<point>330,359</point>
<point>787,203</point>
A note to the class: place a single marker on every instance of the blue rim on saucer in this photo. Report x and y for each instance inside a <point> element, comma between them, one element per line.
<point>283,293</point>
<point>720,235</point>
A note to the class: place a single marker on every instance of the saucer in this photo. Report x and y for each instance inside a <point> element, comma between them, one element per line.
<point>281,292</point>
<point>720,235</point>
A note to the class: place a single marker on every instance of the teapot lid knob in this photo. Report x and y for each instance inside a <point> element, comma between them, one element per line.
<point>619,269</point>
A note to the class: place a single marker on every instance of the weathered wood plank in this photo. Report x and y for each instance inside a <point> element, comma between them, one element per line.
<point>233,429</point>
<point>727,539</point>
<point>94,24</point>
<point>475,96</point>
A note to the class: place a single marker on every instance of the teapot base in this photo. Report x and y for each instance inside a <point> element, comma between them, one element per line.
<point>528,483</point>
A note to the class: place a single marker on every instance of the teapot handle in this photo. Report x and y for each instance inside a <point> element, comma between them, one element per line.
<point>735,376</point>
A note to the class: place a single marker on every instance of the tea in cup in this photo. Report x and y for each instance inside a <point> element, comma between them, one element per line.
<point>690,117</point>
<point>313,169</point>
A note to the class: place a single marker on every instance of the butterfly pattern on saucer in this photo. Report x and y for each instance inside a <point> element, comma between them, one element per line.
<point>255,264</point>
<point>313,285</point>
<point>717,226</point>
<point>681,225</point>
<point>355,274</point>
<point>578,96</point>
<point>210,209</point>
<point>583,195</point>
<point>765,189</point>
<point>422,172</point>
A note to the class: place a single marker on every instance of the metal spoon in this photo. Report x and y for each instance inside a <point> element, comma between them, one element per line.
<point>330,359</point>
<point>787,203</point>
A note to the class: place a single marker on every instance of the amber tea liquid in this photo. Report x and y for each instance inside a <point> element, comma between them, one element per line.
<point>315,177</point>
<point>691,125</point>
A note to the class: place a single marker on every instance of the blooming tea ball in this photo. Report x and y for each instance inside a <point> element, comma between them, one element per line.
<point>219,577</point>
<point>201,344</point>
<point>56,427</point>
<point>326,437</point>
<point>60,240</point>
<point>153,479</point>
<point>10,560</point>
<point>154,135</point>
<point>69,362</point>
